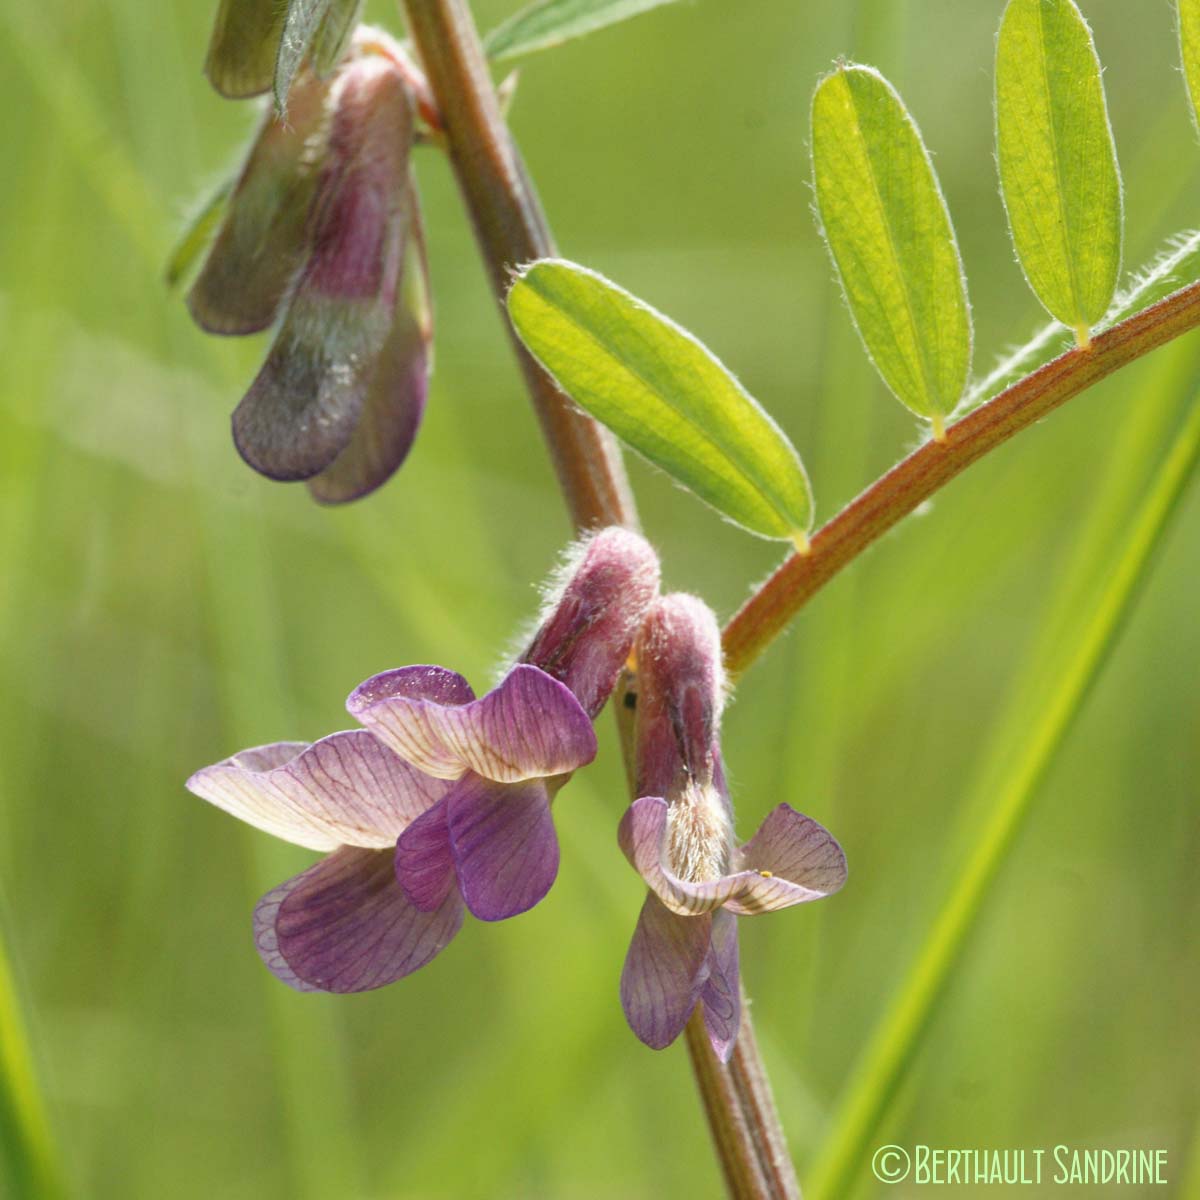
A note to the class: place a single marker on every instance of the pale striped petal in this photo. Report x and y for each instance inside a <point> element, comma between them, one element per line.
<point>788,842</point>
<point>346,789</point>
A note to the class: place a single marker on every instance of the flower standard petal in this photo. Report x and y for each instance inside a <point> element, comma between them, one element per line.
<point>794,859</point>
<point>302,409</point>
<point>504,845</point>
<point>664,972</point>
<point>530,727</point>
<point>789,843</point>
<point>346,789</point>
<point>435,684</point>
<point>345,925</point>
<point>721,995</point>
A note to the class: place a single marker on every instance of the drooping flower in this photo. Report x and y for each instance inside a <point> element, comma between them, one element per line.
<point>345,924</point>
<point>510,751</point>
<point>323,233</point>
<point>679,836</point>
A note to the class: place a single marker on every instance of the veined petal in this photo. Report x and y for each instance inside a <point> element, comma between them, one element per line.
<point>435,684</point>
<point>664,972</point>
<point>791,859</point>
<point>345,925</point>
<point>264,234</point>
<point>504,845</point>
<point>245,41</point>
<point>302,409</point>
<point>424,861</point>
<point>721,995</point>
<point>530,727</point>
<point>346,789</point>
<point>791,842</point>
<point>396,398</point>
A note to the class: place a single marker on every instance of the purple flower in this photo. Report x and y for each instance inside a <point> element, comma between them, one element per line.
<point>344,925</point>
<point>508,752</point>
<point>323,233</point>
<point>679,837</point>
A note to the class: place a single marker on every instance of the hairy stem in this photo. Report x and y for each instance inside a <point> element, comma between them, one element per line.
<point>893,496</point>
<point>511,229</point>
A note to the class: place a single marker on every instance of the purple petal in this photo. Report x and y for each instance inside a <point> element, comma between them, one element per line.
<point>345,925</point>
<point>346,789</point>
<point>264,235</point>
<point>504,844</point>
<point>791,859</point>
<point>424,862</point>
<point>392,412</point>
<point>790,842</point>
<point>302,409</point>
<point>721,995</point>
<point>664,972</point>
<point>435,684</point>
<point>530,727</point>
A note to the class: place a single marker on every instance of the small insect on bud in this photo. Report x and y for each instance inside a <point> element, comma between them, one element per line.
<point>586,635</point>
<point>244,47</point>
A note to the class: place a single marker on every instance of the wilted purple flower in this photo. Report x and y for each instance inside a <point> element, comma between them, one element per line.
<point>510,751</point>
<point>344,925</point>
<point>323,230</point>
<point>679,836</point>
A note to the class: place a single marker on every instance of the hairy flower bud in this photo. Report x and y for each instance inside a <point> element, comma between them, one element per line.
<point>586,635</point>
<point>682,694</point>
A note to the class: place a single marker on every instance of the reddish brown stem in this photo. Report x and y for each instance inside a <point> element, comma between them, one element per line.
<point>893,496</point>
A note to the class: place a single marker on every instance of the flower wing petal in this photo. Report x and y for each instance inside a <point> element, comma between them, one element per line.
<point>424,861</point>
<point>530,727</point>
<point>504,845</point>
<point>346,789</point>
<point>664,972</point>
<point>722,991</point>
<point>345,925</point>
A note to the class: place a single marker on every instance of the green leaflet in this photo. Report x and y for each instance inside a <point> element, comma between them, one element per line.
<point>1189,49</point>
<point>1058,165</point>
<point>660,390</point>
<point>197,233</point>
<point>547,23</point>
<point>891,239</point>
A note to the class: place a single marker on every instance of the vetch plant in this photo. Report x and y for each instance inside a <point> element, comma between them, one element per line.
<point>443,801</point>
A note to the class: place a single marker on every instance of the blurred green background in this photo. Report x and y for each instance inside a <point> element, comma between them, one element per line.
<point>161,607</point>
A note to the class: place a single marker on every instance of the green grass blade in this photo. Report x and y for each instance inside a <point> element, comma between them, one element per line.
<point>548,23</point>
<point>896,1038</point>
<point>1189,52</point>
<point>663,393</point>
<point>29,1166</point>
<point>891,239</point>
<point>1058,164</point>
<point>197,233</point>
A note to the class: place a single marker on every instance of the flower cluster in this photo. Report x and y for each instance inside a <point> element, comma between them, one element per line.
<point>678,835</point>
<point>321,236</point>
<point>442,801</point>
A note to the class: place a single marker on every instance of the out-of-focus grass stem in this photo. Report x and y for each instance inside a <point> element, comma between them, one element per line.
<point>897,1036</point>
